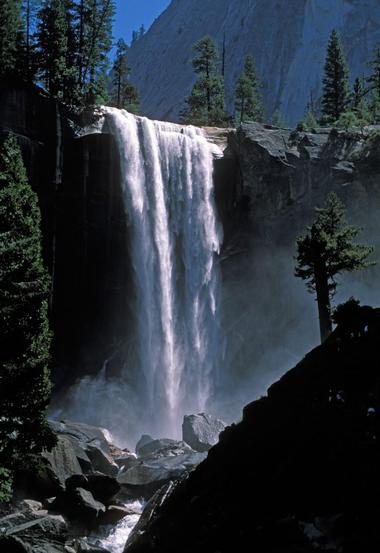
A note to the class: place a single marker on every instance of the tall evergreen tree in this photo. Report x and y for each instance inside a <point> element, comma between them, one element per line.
<point>10,36</point>
<point>248,103</point>
<point>53,31</point>
<point>374,79</point>
<point>24,336</point>
<point>326,250</point>
<point>28,47</point>
<point>336,90</point>
<point>124,94</point>
<point>205,105</point>
<point>95,26</point>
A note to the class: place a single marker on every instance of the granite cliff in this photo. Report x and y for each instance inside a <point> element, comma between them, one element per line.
<point>288,40</point>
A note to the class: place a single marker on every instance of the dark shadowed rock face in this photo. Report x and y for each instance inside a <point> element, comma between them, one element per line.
<point>299,473</point>
<point>77,179</point>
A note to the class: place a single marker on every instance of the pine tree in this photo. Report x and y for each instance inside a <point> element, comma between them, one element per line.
<point>336,90</point>
<point>205,105</point>
<point>53,30</point>
<point>28,46</point>
<point>10,36</point>
<point>248,103</point>
<point>95,23</point>
<point>25,337</point>
<point>124,94</point>
<point>325,251</point>
<point>374,79</point>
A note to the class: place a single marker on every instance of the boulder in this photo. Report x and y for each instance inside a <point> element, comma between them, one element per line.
<point>31,506</point>
<point>102,486</point>
<point>201,431</point>
<point>101,460</point>
<point>163,447</point>
<point>76,481</point>
<point>62,463</point>
<point>126,460</point>
<point>114,514</point>
<point>154,471</point>
<point>79,448</point>
<point>48,526</point>
<point>79,504</point>
<point>82,432</point>
<point>145,439</point>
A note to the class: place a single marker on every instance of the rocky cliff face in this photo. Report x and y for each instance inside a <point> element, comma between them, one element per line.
<point>84,228</point>
<point>269,318</point>
<point>288,40</point>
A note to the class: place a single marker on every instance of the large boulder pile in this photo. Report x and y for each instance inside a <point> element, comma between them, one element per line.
<point>85,485</point>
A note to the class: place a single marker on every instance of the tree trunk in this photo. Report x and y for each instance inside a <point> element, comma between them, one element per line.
<point>323,299</point>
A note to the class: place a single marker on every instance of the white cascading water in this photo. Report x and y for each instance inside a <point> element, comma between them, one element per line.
<point>167,177</point>
<point>174,237</point>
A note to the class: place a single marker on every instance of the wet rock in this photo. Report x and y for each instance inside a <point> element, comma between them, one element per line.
<point>144,440</point>
<point>84,547</point>
<point>114,514</point>
<point>126,460</point>
<point>100,460</point>
<point>102,486</point>
<point>154,471</point>
<point>201,431</point>
<point>163,447</point>
<point>79,504</point>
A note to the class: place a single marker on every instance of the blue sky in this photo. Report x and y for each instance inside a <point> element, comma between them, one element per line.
<point>132,13</point>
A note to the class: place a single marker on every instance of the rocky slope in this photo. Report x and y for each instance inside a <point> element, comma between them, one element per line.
<point>288,40</point>
<point>300,472</point>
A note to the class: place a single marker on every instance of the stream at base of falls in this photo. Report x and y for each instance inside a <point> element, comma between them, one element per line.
<point>116,537</point>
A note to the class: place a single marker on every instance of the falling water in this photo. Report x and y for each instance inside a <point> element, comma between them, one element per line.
<point>167,183</point>
<point>167,177</point>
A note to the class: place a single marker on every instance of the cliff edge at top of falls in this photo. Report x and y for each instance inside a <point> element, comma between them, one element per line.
<point>300,473</point>
<point>287,38</point>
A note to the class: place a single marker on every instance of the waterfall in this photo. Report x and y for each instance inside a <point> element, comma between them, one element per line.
<point>173,355</point>
<point>167,180</point>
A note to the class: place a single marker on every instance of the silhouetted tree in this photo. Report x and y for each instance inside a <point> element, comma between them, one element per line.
<point>326,250</point>
<point>336,90</point>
